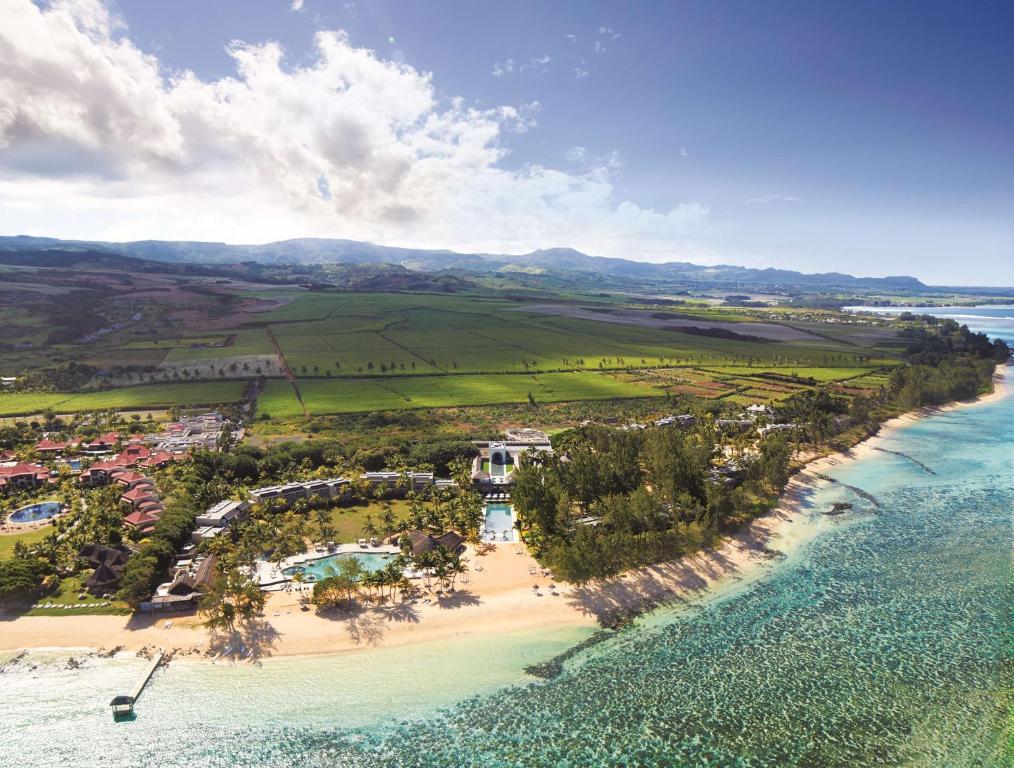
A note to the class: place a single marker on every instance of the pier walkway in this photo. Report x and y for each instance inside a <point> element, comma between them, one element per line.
<point>124,703</point>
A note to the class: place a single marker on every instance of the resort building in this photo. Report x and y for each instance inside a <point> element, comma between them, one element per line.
<point>52,448</point>
<point>136,496</point>
<point>101,472</point>
<point>22,477</point>
<point>205,533</point>
<point>768,429</point>
<point>132,454</point>
<point>160,459</point>
<point>419,542</point>
<point>223,513</point>
<point>333,488</point>
<point>185,589</point>
<point>108,562</point>
<point>130,479</point>
<point>497,460</point>
<point>142,521</point>
<point>400,483</point>
<point>190,433</point>
<point>103,444</point>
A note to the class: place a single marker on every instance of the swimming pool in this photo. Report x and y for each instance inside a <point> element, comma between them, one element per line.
<point>318,569</point>
<point>35,512</point>
<point>499,521</point>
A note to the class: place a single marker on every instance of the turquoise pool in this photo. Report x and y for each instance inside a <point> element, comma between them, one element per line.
<point>318,569</point>
<point>499,521</point>
<point>35,512</point>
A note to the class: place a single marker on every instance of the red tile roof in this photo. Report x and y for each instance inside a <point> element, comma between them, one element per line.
<point>50,445</point>
<point>131,477</point>
<point>19,470</point>
<point>138,493</point>
<point>139,520</point>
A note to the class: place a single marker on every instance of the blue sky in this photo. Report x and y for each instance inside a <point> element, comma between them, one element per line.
<point>867,137</point>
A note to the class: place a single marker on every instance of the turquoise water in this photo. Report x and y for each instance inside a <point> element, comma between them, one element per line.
<point>34,512</point>
<point>878,640</point>
<point>318,569</point>
<point>995,320</point>
<point>498,521</point>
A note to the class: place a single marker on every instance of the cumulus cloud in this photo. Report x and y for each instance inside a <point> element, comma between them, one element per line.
<point>99,140</point>
<point>297,5</point>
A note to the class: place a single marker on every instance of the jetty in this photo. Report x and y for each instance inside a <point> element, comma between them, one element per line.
<point>123,705</point>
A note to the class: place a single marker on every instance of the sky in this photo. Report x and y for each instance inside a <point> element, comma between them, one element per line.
<point>864,137</point>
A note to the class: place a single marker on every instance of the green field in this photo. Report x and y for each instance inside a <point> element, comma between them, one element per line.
<point>125,398</point>
<point>325,334</point>
<point>33,536</point>
<point>323,396</point>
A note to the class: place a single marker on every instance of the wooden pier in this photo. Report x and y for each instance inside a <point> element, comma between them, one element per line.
<point>123,705</point>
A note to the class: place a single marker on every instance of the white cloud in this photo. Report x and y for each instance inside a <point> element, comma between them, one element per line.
<point>570,36</point>
<point>297,5</point>
<point>502,68</point>
<point>576,154</point>
<point>683,152</point>
<point>99,140</point>
<point>580,73</point>
<point>609,32</point>
<point>536,65</point>
<point>599,48</point>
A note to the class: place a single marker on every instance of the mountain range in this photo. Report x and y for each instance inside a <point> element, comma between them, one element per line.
<point>553,261</point>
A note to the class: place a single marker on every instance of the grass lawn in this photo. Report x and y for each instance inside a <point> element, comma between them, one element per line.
<point>7,541</point>
<point>67,594</point>
<point>324,396</point>
<point>348,521</point>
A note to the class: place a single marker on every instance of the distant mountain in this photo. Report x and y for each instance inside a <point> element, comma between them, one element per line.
<point>563,262</point>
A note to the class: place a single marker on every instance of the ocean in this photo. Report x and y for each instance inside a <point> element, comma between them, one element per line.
<point>880,638</point>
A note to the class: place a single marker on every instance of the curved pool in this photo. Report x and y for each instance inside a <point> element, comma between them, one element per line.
<point>318,569</point>
<point>35,512</point>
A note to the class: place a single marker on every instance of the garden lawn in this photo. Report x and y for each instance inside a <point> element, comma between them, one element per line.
<point>67,592</point>
<point>7,541</point>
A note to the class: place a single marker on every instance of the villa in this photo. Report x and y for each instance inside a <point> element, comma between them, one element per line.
<point>47,447</point>
<point>101,472</point>
<point>160,459</point>
<point>22,477</point>
<point>131,479</point>
<point>137,495</point>
<point>101,444</point>
<point>140,520</point>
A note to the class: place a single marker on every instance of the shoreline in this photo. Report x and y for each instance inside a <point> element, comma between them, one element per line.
<point>503,600</point>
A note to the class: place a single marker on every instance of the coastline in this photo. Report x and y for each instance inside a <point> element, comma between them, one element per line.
<point>503,600</point>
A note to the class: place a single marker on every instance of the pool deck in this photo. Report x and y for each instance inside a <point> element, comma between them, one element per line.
<point>270,576</point>
<point>13,527</point>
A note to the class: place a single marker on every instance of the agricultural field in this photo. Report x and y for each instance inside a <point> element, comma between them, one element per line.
<point>124,398</point>
<point>322,396</point>
<point>397,334</point>
<point>357,352</point>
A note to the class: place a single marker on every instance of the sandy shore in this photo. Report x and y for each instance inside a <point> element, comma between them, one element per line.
<point>497,599</point>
